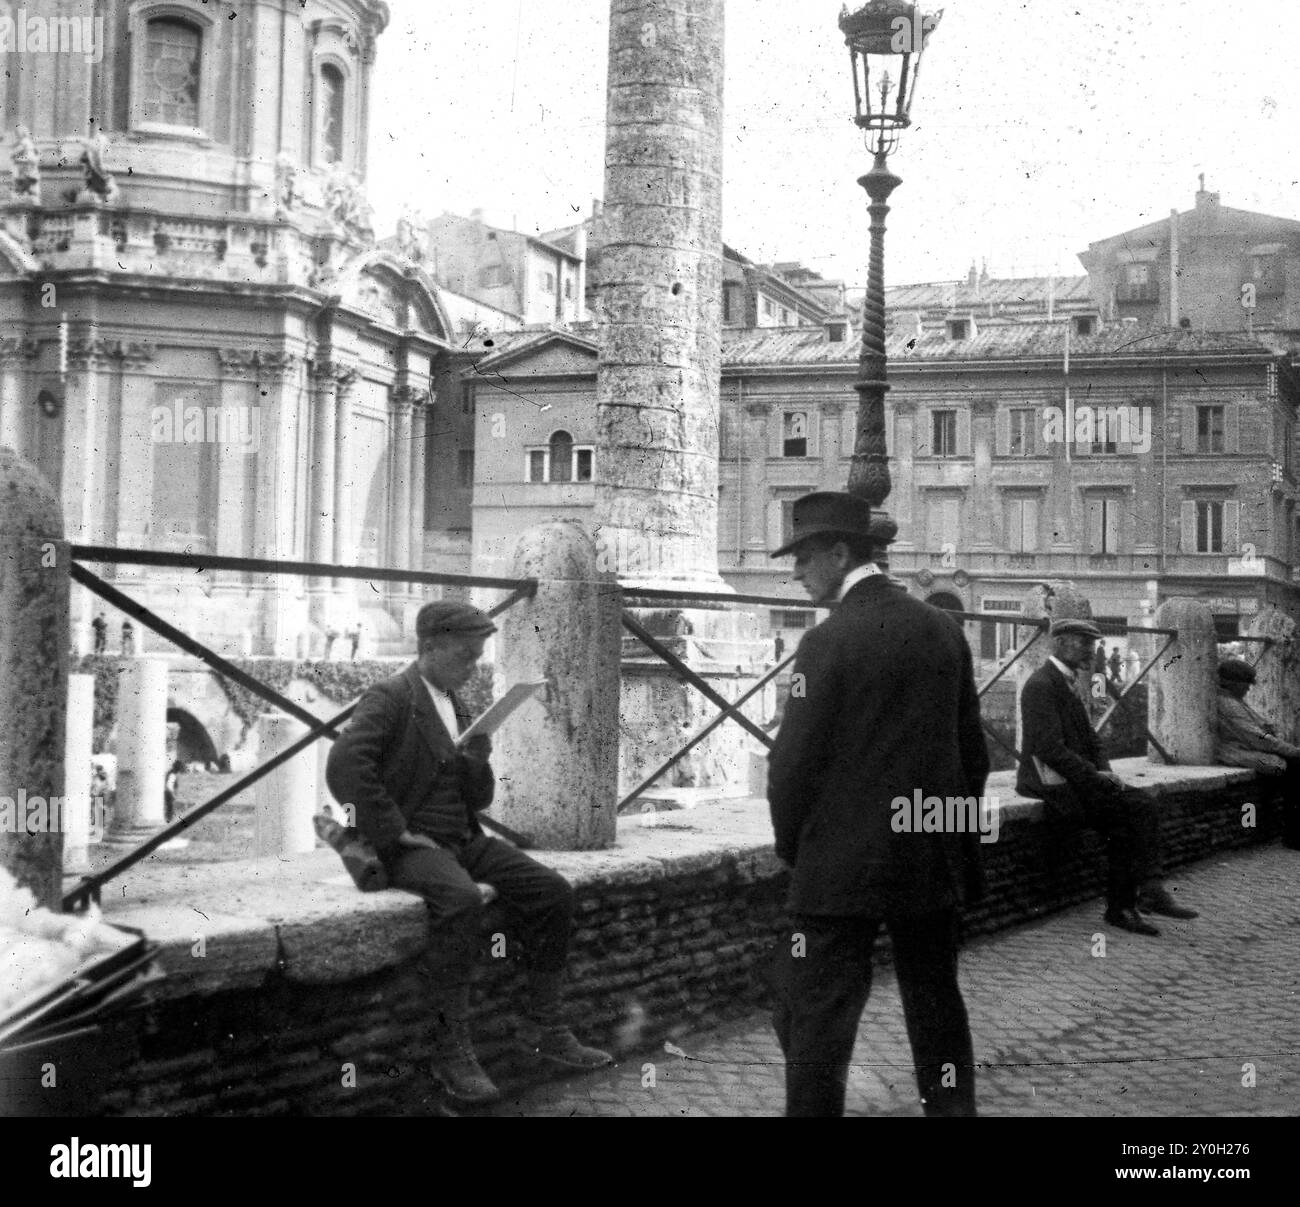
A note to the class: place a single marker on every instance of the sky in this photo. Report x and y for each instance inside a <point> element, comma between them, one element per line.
<point>1037,129</point>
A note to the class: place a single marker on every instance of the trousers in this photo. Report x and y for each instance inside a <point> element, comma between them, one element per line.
<point>539,903</point>
<point>822,986</point>
<point>1125,818</point>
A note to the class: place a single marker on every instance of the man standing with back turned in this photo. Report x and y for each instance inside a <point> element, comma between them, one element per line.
<point>882,703</point>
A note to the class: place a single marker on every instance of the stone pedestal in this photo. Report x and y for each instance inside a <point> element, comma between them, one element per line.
<point>141,749</point>
<point>33,669</point>
<point>1276,691</point>
<point>556,759</point>
<point>83,818</point>
<point>287,799</point>
<point>1182,706</point>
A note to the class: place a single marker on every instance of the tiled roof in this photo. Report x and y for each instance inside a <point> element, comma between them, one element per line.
<point>1009,291</point>
<point>795,346</point>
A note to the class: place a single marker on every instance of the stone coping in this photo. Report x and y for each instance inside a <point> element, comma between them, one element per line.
<point>228,925</point>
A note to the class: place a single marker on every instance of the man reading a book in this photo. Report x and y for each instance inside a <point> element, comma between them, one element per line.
<point>416,793</point>
<point>1063,766</point>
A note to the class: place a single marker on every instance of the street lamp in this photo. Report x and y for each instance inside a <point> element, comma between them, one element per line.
<point>886,39</point>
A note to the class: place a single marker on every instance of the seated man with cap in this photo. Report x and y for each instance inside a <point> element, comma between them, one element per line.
<point>416,796</point>
<point>1063,766</point>
<point>1245,739</point>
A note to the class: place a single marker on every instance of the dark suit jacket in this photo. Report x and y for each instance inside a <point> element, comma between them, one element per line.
<point>396,759</point>
<point>1057,729</point>
<point>888,705</point>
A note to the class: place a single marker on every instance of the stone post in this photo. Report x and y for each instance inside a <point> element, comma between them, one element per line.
<point>1275,689</point>
<point>83,817</point>
<point>1063,603</point>
<point>33,669</point>
<point>141,749</point>
<point>1182,707</point>
<point>556,760</point>
<point>287,799</point>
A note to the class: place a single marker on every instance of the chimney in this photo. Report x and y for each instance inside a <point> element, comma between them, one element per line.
<point>1204,200</point>
<point>580,287</point>
<point>476,214</point>
<point>973,276</point>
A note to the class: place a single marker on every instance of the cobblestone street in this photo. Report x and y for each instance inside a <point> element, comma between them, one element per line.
<point>1154,1027</point>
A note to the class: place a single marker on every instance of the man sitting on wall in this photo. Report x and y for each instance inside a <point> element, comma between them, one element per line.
<point>1063,766</point>
<point>1245,739</point>
<point>416,795</point>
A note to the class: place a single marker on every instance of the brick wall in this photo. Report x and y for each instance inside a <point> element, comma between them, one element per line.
<point>655,953</point>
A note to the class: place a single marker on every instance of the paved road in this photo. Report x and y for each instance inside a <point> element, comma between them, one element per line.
<point>1154,1027</point>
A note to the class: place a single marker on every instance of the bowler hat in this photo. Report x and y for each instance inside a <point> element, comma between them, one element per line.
<point>1236,670</point>
<point>1075,626</point>
<point>827,511</point>
<point>448,616</point>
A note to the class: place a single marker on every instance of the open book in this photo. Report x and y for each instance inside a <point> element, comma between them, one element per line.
<point>492,718</point>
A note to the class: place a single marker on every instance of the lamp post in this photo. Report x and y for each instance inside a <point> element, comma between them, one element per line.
<point>886,39</point>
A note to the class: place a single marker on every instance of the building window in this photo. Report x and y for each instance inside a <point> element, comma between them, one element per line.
<point>548,282</point>
<point>1138,284</point>
<point>785,317</point>
<point>1209,429</point>
<point>1209,527</point>
<point>1103,433</point>
<point>330,114</point>
<point>943,521</point>
<point>795,434</point>
<point>1022,431</point>
<point>466,397</point>
<point>561,461</point>
<point>1084,324</point>
<point>1103,525</point>
<point>792,619</point>
<point>492,276</point>
<point>1022,525</point>
<point>943,433</point>
<point>465,467</point>
<point>171,74</point>
<point>835,332</point>
<point>729,304</point>
<point>958,329</point>
<point>568,287</point>
<point>768,308</point>
<point>997,640</point>
<point>1268,275</point>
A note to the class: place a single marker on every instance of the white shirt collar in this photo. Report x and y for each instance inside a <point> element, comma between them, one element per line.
<point>856,575</point>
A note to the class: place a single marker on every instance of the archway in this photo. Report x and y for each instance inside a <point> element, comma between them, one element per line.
<point>193,743</point>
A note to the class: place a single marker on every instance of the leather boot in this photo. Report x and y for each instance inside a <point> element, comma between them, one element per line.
<point>544,1033</point>
<point>454,1064</point>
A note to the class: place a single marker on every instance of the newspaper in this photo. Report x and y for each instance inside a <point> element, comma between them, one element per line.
<point>494,716</point>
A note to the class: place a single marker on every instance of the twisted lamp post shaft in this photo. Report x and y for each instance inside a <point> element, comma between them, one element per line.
<point>869,471</point>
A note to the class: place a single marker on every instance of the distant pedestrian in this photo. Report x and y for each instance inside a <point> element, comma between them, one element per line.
<point>170,785</point>
<point>354,635</point>
<point>1116,664</point>
<point>1099,659</point>
<point>331,636</point>
<point>128,636</point>
<point>778,645</point>
<point>100,625</point>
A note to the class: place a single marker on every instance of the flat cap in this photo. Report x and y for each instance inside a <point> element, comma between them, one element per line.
<point>1075,626</point>
<point>830,511</point>
<point>1236,670</point>
<point>448,616</point>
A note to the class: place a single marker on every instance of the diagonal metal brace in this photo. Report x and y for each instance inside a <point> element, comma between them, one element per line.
<point>691,677</point>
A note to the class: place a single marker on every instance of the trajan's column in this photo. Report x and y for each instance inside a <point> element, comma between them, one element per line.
<point>657,382</point>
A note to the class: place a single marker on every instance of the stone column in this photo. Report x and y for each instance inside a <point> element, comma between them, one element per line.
<point>832,440</point>
<point>287,799</point>
<point>1275,689</point>
<point>1182,707</point>
<point>903,497</point>
<point>984,503</point>
<point>15,353</point>
<point>418,421</point>
<point>141,749</point>
<point>557,758</point>
<point>659,289</point>
<point>83,817</point>
<point>399,525</point>
<point>755,437</point>
<point>345,485</point>
<point>1062,603</point>
<point>321,473</point>
<point>33,669</point>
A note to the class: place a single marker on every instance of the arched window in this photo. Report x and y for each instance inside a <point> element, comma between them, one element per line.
<point>561,457</point>
<point>331,114</point>
<point>173,51</point>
